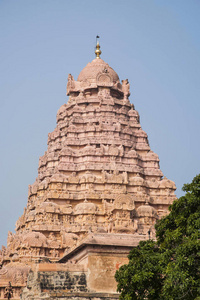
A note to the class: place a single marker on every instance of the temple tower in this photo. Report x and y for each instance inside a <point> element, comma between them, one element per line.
<point>97,178</point>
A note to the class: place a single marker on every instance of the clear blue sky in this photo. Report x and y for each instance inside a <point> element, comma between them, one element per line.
<point>155,44</point>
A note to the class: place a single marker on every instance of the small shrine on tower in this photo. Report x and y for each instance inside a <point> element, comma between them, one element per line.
<point>99,191</point>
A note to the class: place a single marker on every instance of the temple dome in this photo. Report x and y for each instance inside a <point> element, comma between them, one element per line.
<point>97,70</point>
<point>166,183</point>
<point>138,180</point>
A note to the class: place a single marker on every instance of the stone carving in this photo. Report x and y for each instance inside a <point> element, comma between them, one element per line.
<point>121,150</point>
<point>52,241</point>
<point>68,239</point>
<point>103,94</point>
<point>124,202</point>
<point>126,88</point>
<point>113,150</point>
<point>70,84</point>
<point>147,216</point>
<point>62,112</point>
<point>10,238</point>
<point>110,224</point>
<point>103,79</point>
<point>114,177</point>
<point>34,239</point>
<point>8,291</point>
<point>73,178</point>
<point>18,278</point>
<point>66,151</point>
<point>132,153</point>
<point>54,253</point>
<point>88,177</point>
<point>88,149</point>
<point>85,208</point>
<point>166,183</point>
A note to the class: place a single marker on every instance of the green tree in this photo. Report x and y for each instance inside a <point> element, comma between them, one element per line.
<point>169,268</point>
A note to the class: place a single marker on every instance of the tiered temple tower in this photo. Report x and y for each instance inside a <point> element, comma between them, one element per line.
<point>98,183</point>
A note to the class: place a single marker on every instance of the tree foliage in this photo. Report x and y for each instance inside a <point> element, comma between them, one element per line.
<point>169,268</point>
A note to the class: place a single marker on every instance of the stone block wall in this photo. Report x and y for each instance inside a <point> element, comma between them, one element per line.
<point>61,280</point>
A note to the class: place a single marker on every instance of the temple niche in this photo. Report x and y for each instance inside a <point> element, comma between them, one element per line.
<point>99,191</point>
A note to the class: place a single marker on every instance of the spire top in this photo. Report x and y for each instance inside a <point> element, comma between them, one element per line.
<point>97,51</point>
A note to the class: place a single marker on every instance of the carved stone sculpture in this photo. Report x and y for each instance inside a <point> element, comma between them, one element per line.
<point>126,88</point>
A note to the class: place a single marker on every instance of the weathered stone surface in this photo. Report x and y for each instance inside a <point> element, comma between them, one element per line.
<point>62,281</point>
<point>98,175</point>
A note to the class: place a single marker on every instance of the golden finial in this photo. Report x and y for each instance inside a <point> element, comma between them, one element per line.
<point>97,51</point>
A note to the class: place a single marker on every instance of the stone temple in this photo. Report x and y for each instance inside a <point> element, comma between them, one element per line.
<point>99,191</point>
